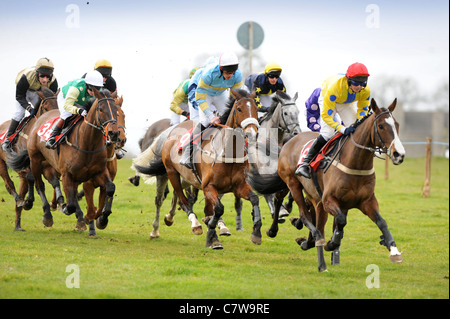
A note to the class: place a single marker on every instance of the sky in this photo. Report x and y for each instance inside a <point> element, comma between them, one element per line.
<point>152,45</point>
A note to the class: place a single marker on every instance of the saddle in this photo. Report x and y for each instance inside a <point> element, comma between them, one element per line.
<point>46,130</point>
<point>13,138</point>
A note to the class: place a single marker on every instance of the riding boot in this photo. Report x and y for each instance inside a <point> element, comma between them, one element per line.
<point>6,145</point>
<point>304,169</point>
<point>186,157</point>
<point>57,128</point>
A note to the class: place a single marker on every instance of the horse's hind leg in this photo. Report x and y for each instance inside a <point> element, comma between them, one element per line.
<point>161,183</point>
<point>278,202</point>
<point>23,188</point>
<point>28,204</point>
<point>245,191</point>
<point>238,208</point>
<point>370,208</point>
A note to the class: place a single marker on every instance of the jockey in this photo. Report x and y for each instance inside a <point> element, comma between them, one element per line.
<point>212,95</point>
<point>179,105</point>
<point>193,83</point>
<point>337,101</point>
<point>313,111</point>
<point>265,85</point>
<point>28,81</point>
<point>78,95</point>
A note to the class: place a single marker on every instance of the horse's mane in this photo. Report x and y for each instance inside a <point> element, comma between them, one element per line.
<point>47,92</point>
<point>275,101</point>
<point>229,105</point>
<point>361,120</point>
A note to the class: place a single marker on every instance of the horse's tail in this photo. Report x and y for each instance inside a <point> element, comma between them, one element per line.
<point>20,161</point>
<point>267,183</point>
<point>149,163</point>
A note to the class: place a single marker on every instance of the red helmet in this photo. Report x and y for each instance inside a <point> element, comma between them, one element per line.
<point>357,69</point>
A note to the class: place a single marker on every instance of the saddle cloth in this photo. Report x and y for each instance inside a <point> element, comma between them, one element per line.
<point>317,161</point>
<point>19,128</point>
<point>45,131</point>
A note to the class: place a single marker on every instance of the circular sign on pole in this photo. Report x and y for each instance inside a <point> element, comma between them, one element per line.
<point>243,34</point>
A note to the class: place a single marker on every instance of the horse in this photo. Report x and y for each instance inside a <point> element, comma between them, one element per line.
<point>347,182</point>
<point>82,157</point>
<point>277,126</point>
<point>111,165</point>
<point>215,172</point>
<point>48,102</point>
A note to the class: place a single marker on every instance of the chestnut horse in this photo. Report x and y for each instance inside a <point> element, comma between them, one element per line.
<point>111,165</point>
<point>82,157</point>
<point>48,102</point>
<point>348,182</point>
<point>215,172</point>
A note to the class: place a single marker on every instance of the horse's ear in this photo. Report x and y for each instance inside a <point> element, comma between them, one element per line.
<point>235,94</point>
<point>392,106</point>
<point>295,96</point>
<point>114,95</point>
<point>119,101</point>
<point>252,96</point>
<point>41,95</point>
<point>96,93</point>
<point>57,91</point>
<point>374,106</point>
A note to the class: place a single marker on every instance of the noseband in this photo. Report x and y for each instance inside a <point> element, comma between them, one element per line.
<point>248,121</point>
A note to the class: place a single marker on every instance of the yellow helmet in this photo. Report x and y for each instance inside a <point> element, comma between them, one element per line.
<point>273,68</point>
<point>104,67</point>
<point>45,66</point>
<point>192,72</point>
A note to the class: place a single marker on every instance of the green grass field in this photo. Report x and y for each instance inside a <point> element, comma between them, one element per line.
<point>122,262</point>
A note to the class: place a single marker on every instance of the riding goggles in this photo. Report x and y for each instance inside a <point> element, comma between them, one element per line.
<point>357,83</point>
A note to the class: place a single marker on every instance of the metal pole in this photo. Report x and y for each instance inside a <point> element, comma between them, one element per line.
<point>250,46</point>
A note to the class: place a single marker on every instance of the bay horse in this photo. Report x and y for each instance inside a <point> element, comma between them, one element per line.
<point>216,173</point>
<point>348,182</point>
<point>82,157</point>
<point>48,102</point>
<point>277,126</point>
<point>94,213</point>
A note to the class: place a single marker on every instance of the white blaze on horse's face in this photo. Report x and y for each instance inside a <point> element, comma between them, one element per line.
<point>396,150</point>
<point>248,128</point>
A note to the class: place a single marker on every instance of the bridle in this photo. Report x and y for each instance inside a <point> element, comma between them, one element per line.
<point>377,149</point>
<point>287,129</point>
<point>248,121</point>
<point>103,127</point>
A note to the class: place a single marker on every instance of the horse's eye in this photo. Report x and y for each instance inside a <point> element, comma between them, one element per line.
<point>239,109</point>
<point>380,126</point>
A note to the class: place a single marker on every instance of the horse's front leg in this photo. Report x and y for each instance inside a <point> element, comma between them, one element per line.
<point>278,202</point>
<point>104,181</point>
<point>331,205</point>
<point>28,204</point>
<point>72,206</point>
<point>370,208</point>
<point>245,191</point>
<point>214,209</point>
<point>88,191</point>
<point>47,218</point>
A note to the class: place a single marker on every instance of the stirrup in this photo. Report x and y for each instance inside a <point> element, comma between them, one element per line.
<point>303,170</point>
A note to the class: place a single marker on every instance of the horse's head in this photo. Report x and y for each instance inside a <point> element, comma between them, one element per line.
<point>48,101</point>
<point>104,112</point>
<point>288,114</point>
<point>386,132</point>
<point>122,139</point>
<point>244,114</point>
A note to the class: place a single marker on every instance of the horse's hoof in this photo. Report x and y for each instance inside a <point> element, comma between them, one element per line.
<point>48,222</point>
<point>239,227</point>
<point>167,221</point>
<point>283,213</point>
<point>321,242</point>
<point>28,205</point>
<point>197,230</point>
<point>296,222</point>
<point>281,220</point>
<point>216,245</point>
<point>396,258</point>
<point>81,226</point>
<point>224,231</point>
<point>101,223</point>
<point>271,234</point>
<point>19,229</point>
<point>256,240</point>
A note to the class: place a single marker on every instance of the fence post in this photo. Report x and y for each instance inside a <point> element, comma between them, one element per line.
<point>426,184</point>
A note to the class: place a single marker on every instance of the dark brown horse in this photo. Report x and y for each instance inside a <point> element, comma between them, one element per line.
<point>48,102</point>
<point>219,166</point>
<point>348,182</point>
<point>81,158</point>
<point>111,164</point>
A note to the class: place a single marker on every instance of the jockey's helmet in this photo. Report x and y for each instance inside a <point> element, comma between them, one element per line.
<point>104,67</point>
<point>192,72</point>
<point>273,69</point>
<point>357,70</point>
<point>228,62</point>
<point>44,66</point>
<point>94,78</point>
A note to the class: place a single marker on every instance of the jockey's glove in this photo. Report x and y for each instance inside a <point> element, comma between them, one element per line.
<point>82,112</point>
<point>348,130</point>
<point>185,114</point>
